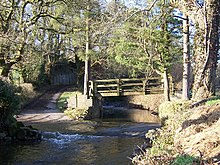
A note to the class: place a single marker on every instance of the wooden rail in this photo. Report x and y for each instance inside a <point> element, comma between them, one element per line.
<point>125,87</point>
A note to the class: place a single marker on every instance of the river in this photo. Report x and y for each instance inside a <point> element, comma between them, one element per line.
<point>79,143</point>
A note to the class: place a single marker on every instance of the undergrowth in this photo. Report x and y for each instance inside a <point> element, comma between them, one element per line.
<point>163,151</point>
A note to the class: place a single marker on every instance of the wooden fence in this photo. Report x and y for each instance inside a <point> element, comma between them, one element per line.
<point>125,87</point>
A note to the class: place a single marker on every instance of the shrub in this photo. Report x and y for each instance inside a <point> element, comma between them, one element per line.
<point>169,112</point>
<point>169,109</point>
<point>27,92</point>
<point>9,103</point>
<point>162,139</point>
<point>186,159</point>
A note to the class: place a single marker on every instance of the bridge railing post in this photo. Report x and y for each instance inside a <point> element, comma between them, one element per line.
<point>144,86</point>
<point>118,87</point>
<point>91,88</point>
<point>172,89</point>
<point>95,88</point>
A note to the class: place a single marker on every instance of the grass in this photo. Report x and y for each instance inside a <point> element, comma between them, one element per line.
<point>62,101</point>
<point>186,160</point>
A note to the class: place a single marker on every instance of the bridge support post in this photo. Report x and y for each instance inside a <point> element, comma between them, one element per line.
<point>144,87</point>
<point>118,87</point>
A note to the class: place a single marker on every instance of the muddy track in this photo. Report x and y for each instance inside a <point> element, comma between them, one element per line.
<point>43,108</point>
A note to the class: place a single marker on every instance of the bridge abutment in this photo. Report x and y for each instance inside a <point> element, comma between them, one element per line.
<point>91,107</point>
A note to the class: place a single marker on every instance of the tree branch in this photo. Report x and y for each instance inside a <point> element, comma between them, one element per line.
<point>146,10</point>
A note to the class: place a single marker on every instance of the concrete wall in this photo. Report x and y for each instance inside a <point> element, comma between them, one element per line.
<point>134,115</point>
<point>93,106</point>
<point>149,102</point>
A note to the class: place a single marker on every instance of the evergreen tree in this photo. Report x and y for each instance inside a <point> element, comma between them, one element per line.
<point>146,41</point>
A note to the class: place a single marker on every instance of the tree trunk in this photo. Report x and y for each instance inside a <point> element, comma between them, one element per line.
<point>186,58</point>
<point>87,59</point>
<point>216,51</point>
<point>206,52</point>
<point>166,86</point>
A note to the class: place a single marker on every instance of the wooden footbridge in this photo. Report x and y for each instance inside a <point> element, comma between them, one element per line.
<point>126,87</point>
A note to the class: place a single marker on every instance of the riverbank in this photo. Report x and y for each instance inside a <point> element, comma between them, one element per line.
<point>67,141</point>
<point>12,98</point>
<point>190,135</point>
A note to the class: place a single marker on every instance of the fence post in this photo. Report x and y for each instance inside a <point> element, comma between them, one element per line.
<point>118,87</point>
<point>172,86</point>
<point>95,90</point>
<point>91,88</point>
<point>144,86</point>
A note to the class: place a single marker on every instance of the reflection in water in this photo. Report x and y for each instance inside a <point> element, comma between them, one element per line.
<point>74,149</point>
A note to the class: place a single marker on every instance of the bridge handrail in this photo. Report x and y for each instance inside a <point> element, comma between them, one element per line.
<point>126,86</point>
<point>128,79</point>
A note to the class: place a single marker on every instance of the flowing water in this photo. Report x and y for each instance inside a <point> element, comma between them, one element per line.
<point>81,143</point>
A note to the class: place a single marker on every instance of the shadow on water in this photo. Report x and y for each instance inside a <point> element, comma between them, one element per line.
<point>101,143</point>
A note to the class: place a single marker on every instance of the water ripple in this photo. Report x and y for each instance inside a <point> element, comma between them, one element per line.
<point>60,139</point>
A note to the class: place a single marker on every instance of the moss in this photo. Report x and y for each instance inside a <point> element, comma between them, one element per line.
<point>213,101</point>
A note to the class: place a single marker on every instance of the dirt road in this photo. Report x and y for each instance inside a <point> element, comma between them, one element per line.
<point>44,109</point>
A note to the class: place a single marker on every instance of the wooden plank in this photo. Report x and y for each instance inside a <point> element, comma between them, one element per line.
<point>107,80</point>
<point>155,92</point>
<point>132,79</point>
<point>132,84</point>
<point>133,90</point>
<point>108,91</point>
<point>131,93</point>
<point>108,94</point>
<point>148,88</point>
<point>106,85</point>
<point>127,79</point>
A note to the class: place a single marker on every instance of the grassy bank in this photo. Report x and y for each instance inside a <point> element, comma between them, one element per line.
<point>189,136</point>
